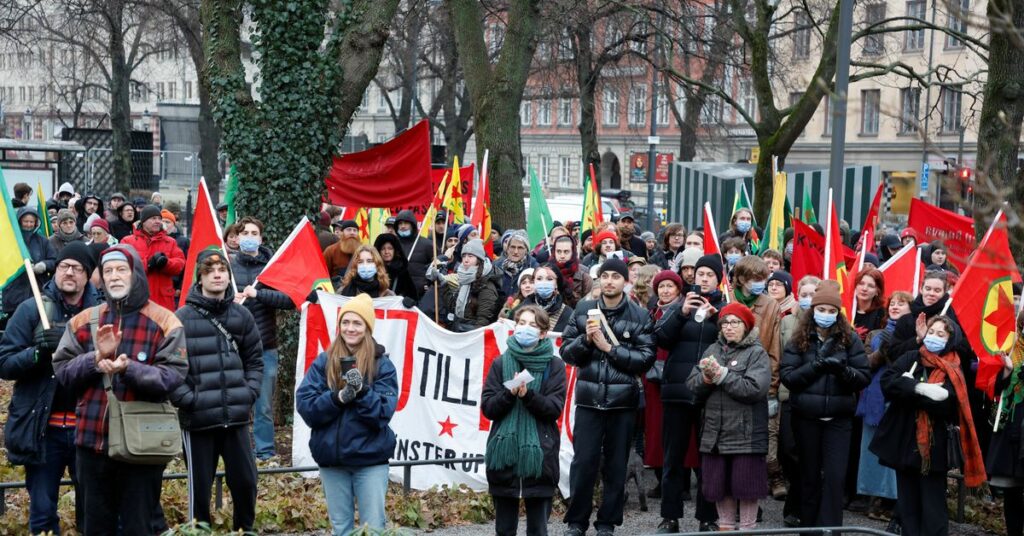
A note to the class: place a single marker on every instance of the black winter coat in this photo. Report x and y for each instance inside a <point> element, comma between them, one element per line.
<point>814,394</point>
<point>895,441</point>
<point>685,340</point>
<point>610,380</point>
<point>546,407</point>
<point>245,268</point>
<point>35,387</point>
<point>40,250</point>
<point>223,380</point>
<point>419,253</point>
<point>1005,457</point>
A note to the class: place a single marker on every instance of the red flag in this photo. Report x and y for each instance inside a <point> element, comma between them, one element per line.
<point>481,215</point>
<point>363,221</point>
<point>391,174</point>
<point>835,263</point>
<point>439,176</point>
<point>808,251</point>
<point>712,247</point>
<point>983,301</point>
<point>867,234</point>
<point>350,212</point>
<point>298,266</point>
<point>934,223</point>
<point>206,234</point>
<point>903,271</point>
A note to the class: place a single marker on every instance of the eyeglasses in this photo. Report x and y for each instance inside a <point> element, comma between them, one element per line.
<point>65,267</point>
<point>731,323</point>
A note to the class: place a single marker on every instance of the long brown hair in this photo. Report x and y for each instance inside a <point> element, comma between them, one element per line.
<point>382,272</point>
<point>365,354</point>
<point>878,301</point>
<point>806,331</point>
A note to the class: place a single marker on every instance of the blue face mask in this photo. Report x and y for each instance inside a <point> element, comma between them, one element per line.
<point>405,233</point>
<point>805,303</point>
<point>757,287</point>
<point>742,226</point>
<point>249,244</point>
<point>934,343</point>
<point>733,258</point>
<point>825,320</point>
<point>544,289</point>
<point>526,336</point>
<point>366,271</point>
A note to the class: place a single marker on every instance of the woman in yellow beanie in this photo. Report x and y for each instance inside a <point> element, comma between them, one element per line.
<point>350,392</point>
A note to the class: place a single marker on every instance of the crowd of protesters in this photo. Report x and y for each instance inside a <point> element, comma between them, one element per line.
<point>732,381</point>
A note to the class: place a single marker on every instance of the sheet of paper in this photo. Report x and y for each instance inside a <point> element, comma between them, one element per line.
<point>521,379</point>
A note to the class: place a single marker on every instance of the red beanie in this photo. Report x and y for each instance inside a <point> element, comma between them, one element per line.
<point>740,311</point>
<point>667,275</point>
<point>603,235</point>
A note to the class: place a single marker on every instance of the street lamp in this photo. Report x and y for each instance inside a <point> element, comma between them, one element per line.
<point>146,117</point>
<point>27,124</point>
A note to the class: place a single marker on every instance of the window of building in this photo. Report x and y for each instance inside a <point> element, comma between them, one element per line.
<point>497,38</point>
<point>159,91</point>
<point>874,44</point>
<point>914,39</point>
<point>171,90</point>
<point>749,99</point>
<point>637,105</point>
<point>952,102</point>
<point>711,113</point>
<point>661,93</point>
<point>610,109</point>
<point>564,171</point>
<point>910,109</point>
<point>188,91</point>
<point>870,111</point>
<point>565,47</point>
<point>382,100</point>
<point>638,43</point>
<point>544,112</point>
<point>544,167</point>
<point>565,111</point>
<point>524,113</point>
<point>22,96</point>
<point>956,21</point>
<point>381,138</point>
<point>802,36</point>
<point>612,33</point>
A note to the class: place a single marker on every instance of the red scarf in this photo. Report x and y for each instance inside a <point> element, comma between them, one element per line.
<point>943,367</point>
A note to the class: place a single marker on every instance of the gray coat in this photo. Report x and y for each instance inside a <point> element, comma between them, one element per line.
<point>735,411</point>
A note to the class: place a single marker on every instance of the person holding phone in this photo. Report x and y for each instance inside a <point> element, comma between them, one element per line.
<point>522,448</point>
<point>356,405</point>
<point>686,331</point>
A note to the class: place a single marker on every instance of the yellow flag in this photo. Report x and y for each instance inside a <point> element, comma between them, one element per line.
<point>14,252</point>
<point>435,204</point>
<point>777,217</point>
<point>378,217</point>
<point>453,197</point>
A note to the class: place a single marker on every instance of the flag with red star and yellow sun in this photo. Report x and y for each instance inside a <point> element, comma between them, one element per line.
<point>983,301</point>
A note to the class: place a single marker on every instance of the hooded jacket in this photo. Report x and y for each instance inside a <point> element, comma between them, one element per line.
<point>161,280</point>
<point>610,380</point>
<point>80,210</point>
<point>40,250</point>
<point>482,306</point>
<point>264,307</point>
<point>398,268</point>
<point>35,387</point>
<point>151,337</point>
<point>735,411</point>
<point>224,376</point>
<point>419,253</point>
<point>354,434</point>
<point>120,227</point>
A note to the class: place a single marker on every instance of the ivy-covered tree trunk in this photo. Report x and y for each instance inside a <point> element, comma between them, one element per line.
<point>998,178</point>
<point>120,105</point>
<point>496,92</point>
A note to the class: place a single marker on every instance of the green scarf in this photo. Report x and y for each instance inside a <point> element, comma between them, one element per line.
<point>515,442</point>
<point>744,299</point>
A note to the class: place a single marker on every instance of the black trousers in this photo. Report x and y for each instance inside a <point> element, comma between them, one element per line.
<point>202,449</point>
<point>506,515</point>
<point>824,449</point>
<point>921,503</point>
<point>790,460</point>
<point>114,490</point>
<point>1013,511</point>
<point>601,439</point>
<point>677,426</point>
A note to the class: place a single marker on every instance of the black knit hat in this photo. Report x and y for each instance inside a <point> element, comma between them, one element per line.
<point>615,265</point>
<point>78,251</point>
<point>712,262</point>
<point>345,224</point>
<point>149,211</point>
<point>784,278</point>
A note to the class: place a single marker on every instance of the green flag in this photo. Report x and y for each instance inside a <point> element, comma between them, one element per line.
<point>14,252</point>
<point>229,195</point>
<point>742,200</point>
<point>539,220</point>
<point>807,212</point>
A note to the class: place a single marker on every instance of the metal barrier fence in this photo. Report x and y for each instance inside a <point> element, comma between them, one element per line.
<point>817,531</point>
<point>219,477</point>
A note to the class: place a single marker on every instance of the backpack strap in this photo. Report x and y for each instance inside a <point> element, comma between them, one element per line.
<point>220,327</point>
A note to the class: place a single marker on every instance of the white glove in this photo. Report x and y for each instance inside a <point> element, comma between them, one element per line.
<point>773,407</point>
<point>720,377</point>
<point>931,390</point>
<point>39,268</point>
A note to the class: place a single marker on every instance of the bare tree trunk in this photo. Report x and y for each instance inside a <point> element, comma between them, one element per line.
<point>360,52</point>
<point>587,77</point>
<point>688,125</point>
<point>120,105</point>
<point>1002,112</point>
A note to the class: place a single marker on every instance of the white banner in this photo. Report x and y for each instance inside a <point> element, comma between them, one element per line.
<point>440,377</point>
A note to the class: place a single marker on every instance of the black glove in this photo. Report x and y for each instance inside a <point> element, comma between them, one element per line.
<point>408,302</point>
<point>833,364</point>
<point>47,340</point>
<point>157,261</point>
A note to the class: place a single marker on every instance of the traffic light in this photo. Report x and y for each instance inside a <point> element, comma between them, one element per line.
<point>965,174</point>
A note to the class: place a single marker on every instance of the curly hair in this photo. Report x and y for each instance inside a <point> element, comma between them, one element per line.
<point>806,331</point>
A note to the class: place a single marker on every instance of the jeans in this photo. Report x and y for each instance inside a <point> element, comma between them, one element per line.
<point>43,481</point>
<point>346,486</point>
<point>263,421</point>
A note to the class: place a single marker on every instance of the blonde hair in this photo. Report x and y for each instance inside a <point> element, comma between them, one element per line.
<point>365,354</point>
<point>642,288</point>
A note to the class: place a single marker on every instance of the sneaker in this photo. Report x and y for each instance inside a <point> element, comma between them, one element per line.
<point>779,490</point>
<point>707,526</point>
<point>606,532</point>
<point>574,531</point>
<point>273,461</point>
<point>791,521</point>
<point>668,526</point>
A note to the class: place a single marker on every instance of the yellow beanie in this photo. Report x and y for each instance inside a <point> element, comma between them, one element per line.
<point>361,305</point>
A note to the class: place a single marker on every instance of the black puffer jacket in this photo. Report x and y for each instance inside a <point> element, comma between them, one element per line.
<point>245,269</point>
<point>816,394</point>
<point>222,383</point>
<point>418,252</point>
<point>686,340</point>
<point>610,381</point>
<point>546,407</point>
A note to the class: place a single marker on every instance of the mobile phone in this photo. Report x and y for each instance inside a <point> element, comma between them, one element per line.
<point>347,364</point>
<point>694,289</point>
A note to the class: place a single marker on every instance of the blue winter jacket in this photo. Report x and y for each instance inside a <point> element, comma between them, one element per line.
<point>353,434</point>
<point>34,382</point>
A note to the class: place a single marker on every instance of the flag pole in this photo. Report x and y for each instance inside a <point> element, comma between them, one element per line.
<point>433,242</point>
<point>30,273</point>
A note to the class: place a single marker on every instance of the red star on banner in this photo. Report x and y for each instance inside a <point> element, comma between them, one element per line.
<point>447,427</point>
<point>1002,317</point>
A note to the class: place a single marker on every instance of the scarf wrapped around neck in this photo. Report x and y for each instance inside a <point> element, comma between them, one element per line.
<point>515,442</point>
<point>1013,394</point>
<point>948,367</point>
